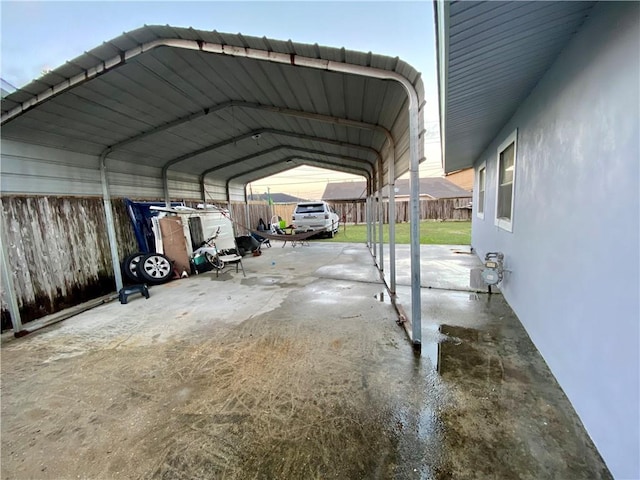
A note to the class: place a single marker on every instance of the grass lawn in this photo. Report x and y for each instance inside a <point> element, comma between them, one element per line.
<point>431,233</point>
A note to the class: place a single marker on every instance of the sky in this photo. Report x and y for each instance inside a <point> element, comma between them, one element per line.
<point>37,36</point>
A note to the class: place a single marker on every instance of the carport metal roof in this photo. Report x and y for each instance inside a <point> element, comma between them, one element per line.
<point>190,101</point>
<point>230,107</point>
<point>490,56</point>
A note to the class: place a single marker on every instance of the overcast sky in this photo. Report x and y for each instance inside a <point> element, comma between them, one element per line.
<point>42,35</point>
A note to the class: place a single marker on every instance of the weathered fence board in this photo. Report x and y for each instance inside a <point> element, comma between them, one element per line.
<point>258,210</point>
<point>59,252</point>
<point>355,212</point>
<point>441,209</point>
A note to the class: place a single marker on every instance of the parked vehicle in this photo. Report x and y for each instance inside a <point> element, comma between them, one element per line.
<point>315,216</point>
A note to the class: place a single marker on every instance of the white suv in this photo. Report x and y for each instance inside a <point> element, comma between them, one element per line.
<point>315,216</point>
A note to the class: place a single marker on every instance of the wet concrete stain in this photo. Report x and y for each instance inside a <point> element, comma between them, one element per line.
<point>312,389</point>
<point>268,281</point>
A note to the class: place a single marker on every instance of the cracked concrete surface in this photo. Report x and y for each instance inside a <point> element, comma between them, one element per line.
<point>297,371</point>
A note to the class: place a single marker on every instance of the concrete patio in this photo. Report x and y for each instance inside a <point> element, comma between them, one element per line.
<point>297,371</point>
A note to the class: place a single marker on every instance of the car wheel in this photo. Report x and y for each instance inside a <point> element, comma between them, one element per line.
<point>130,266</point>
<point>154,268</point>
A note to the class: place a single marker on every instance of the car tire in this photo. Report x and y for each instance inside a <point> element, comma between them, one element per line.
<point>130,266</point>
<point>154,268</point>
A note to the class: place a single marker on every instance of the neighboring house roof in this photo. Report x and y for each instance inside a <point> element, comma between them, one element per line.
<point>490,56</point>
<point>434,187</point>
<point>275,198</point>
<point>345,191</point>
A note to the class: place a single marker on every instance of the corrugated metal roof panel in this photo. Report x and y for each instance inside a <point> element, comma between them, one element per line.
<point>496,54</point>
<point>163,85</point>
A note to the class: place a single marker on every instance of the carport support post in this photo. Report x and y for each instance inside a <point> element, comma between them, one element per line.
<point>165,186</point>
<point>368,220</point>
<point>111,229</point>
<point>246,210</point>
<point>414,201</point>
<point>7,281</point>
<point>372,219</point>
<point>392,227</point>
<point>203,192</point>
<point>381,217</point>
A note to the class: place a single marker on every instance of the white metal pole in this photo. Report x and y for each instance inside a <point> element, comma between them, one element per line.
<point>381,217</point>
<point>373,217</point>
<point>414,201</point>
<point>111,229</point>
<point>392,227</point>
<point>367,215</point>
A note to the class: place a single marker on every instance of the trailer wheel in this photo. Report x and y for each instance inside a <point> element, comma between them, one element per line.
<point>154,268</point>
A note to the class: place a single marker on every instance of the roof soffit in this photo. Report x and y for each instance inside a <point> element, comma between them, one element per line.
<point>491,56</point>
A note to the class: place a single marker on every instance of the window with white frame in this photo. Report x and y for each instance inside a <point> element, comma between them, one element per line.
<point>506,180</point>
<point>482,181</point>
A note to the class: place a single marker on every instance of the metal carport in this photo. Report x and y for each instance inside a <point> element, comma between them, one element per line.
<point>183,113</point>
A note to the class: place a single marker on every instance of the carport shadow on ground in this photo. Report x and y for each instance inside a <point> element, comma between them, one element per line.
<point>298,370</point>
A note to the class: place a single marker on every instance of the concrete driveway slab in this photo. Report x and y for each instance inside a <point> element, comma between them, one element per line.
<point>297,371</point>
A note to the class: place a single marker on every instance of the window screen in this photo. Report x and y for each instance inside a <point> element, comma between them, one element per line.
<point>481,187</point>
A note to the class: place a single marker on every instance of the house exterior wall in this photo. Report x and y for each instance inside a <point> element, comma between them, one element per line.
<point>462,178</point>
<point>573,250</point>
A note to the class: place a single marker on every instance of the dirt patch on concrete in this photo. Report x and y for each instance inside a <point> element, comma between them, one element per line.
<point>282,395</point>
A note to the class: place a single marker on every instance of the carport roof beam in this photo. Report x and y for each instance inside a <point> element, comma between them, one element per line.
<point>256,106</point>
<point>305,161</point>
<point>281,147</point>
<point>272,131</point>
<point>368,172</point>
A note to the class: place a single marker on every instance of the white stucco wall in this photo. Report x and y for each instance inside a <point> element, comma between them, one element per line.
<point>573,253</point>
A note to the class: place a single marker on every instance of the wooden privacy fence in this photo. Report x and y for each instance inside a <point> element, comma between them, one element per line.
<point>354,212</point>
<point>258,210</point>
<point>441,209</point>
<point>58,251</point>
